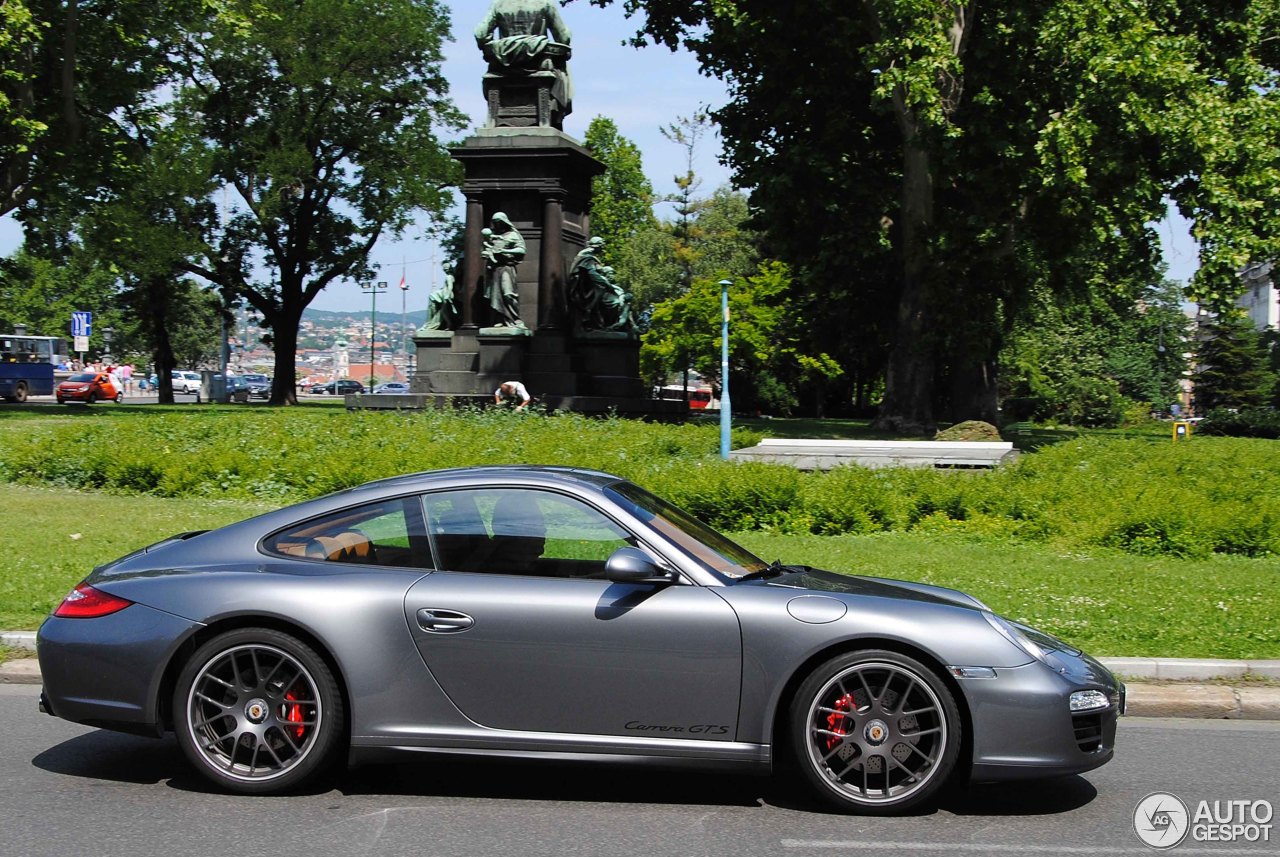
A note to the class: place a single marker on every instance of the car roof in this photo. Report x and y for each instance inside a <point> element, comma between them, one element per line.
<point>485,473</point>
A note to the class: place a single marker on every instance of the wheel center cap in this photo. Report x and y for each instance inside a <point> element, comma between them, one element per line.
<point>256,710</point>
<point>876,732</point>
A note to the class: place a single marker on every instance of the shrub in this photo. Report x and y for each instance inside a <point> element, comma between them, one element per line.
<point>970,430</point>
<point>1141,494</point>
<point>1259,422</point>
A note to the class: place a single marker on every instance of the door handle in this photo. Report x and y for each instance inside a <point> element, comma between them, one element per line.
<point>437,621</point>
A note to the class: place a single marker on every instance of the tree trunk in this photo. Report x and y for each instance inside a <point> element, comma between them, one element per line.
<point>907,407</point>
<point>974,394</point>
<point>284,339</point>
<point>70,39</point>
<point>155,312</point>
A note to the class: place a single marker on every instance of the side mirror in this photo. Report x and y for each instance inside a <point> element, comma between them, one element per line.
<point>632,565</point>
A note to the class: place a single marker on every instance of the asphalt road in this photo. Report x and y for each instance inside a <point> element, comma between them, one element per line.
<point>71,790</point>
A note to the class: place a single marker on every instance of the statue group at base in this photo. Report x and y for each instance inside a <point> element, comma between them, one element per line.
<point>442,306</point>
<point>503,248</point>
<point>599,302</point>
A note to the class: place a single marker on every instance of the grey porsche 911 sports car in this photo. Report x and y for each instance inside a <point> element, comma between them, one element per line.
<point>557,613</point>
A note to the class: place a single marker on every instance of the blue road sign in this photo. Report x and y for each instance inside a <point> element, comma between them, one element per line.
<point>81,323</point>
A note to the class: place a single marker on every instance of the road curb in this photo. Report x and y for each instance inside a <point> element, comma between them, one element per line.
<point>1191,701</point>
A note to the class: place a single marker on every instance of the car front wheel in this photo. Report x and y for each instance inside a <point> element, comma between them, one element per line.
<point>257,711</point>
<point>874,732</point>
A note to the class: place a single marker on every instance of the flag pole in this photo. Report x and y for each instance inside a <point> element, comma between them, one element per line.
<point>404,318</point>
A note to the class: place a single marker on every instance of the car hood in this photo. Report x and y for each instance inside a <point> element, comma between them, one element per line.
<point>804,577</point>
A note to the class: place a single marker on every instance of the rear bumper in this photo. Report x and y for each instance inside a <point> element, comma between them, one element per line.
<point>106,672</point>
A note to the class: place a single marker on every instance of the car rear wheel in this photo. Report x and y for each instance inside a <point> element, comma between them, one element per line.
<point>874,732</point>
<point>119,398</point>
<point>257,711</point>
<point>20,392</point>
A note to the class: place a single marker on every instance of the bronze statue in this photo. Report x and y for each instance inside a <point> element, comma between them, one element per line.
<point>614,305</point>
<point>442,311</point>
<point>583,282</point>
<point>503,250</point>
<point>599,302</point>
<point>532,38</point>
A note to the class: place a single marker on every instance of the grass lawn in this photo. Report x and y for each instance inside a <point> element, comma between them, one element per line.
<point>1110,603</point>
<point>54,537</point>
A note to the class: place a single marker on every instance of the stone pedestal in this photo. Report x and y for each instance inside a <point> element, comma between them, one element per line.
<point>541,179</point>
<point>522,102</point>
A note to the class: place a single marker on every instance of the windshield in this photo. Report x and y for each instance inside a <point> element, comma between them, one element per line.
<point>83,377</point>
<point>694,538</point>
<point>256,379</point>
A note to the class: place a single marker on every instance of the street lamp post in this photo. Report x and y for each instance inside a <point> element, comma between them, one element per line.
<point>373,289</point>
<point>107,334</point>
<point>726,412</point>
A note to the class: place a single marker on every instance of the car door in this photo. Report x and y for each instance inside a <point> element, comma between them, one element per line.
<point>523,632</point>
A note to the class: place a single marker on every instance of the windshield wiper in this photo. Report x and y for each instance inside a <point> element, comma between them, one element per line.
<point>775,569</point>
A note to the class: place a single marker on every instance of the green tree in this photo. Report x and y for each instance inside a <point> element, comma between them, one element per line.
<point>719,240</point>
<point>322,119</point>
<point>1092,361</point>
<point>1233,366</point>
<point>922,163</point>
<point>72,74</point>
<point>622,198</point>
<point>41,292</point>
<point>765,351</point>
<point>20,128</point>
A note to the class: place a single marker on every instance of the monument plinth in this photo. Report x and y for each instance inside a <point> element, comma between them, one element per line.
<point>511,313</point>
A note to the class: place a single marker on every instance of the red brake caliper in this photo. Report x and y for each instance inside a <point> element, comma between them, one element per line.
<point>836,721</point>
<point>293,714</point>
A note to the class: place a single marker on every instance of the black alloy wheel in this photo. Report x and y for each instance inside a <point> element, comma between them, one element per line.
<point>257,711</point>
<point>874,732</point>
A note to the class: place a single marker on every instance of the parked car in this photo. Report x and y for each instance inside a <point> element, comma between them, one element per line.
<point>340,387</point>
<point>259,385</point>
<point>391,388</point>
<point>237,389</point>
<point>186,382</point>
<point>549,612</point>
<point>88,387</point>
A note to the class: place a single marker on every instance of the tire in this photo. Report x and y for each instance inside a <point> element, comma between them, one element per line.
<point>257,711</point>
<point>874,732</point>
<point>20,392</point>
<point>91,398</point>
<point>119,398</point>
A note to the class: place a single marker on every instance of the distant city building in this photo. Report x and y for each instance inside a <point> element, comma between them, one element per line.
<point>1260,298</point>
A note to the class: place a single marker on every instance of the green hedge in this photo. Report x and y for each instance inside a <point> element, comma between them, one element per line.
<point>1260,422</point>
<point>1146,497</point>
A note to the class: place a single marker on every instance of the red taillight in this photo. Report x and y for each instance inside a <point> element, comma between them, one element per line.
<point>85,602</point>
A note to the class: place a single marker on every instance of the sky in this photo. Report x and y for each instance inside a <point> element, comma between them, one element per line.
<point>641,90</point>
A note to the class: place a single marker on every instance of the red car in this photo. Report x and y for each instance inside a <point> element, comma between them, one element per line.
<point>87,387</point>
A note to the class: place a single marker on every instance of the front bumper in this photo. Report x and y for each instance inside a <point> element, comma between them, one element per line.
<point>1023,725</point>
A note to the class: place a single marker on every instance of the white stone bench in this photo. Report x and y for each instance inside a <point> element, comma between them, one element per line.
<point>806,454</point>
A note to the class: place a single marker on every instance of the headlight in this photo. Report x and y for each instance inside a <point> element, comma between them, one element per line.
<point>1088,700</point>
<point>1037,644</point>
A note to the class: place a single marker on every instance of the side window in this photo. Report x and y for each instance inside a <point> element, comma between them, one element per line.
<point>389,533</point>
<point>521,531</point>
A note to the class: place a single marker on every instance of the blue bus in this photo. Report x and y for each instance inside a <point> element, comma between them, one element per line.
<point>26,365</point>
